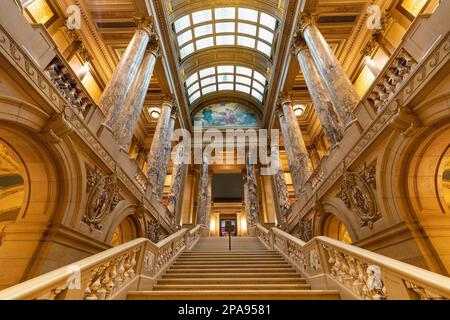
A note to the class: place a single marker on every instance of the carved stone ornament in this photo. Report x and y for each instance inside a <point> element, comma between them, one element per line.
<point>358,196</point>
<point>103,197</point>
<point>421,292</point>
<point>298,42</point>
<point>58,126</point>
<point>153,231</point>
<point>305,230</point>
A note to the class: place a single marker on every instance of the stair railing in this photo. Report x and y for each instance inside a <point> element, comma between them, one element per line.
<point>109,274</point>
<point>357,273</point>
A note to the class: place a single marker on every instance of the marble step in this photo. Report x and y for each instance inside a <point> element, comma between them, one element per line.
<point>203,275</point>
<point>234,287</point>
<point>236,295</point>
<point>234,270</point>
<point>234,280</point>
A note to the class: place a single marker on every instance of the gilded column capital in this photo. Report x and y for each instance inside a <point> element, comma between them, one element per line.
<point>298,42</point>
<point>169,99</point>
<point>175,111</point>
<point>284,98</point>
<point>279,109</point>
<point>306,20</point>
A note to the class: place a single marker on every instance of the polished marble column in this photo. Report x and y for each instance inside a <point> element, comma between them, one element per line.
<point>341,89</point>
<point>330,121</point>
<point>124,126</point>
<point>294,144</point>
<point>118,87</point>
<point>157,167</point>
<point>251,199</point>
<point>204,195</point>
<point>178,175</point>
<point>283,197</point>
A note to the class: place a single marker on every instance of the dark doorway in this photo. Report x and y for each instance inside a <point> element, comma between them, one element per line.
<point>223,223</point>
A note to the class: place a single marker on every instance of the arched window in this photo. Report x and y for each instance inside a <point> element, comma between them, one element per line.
<point>334,228</point>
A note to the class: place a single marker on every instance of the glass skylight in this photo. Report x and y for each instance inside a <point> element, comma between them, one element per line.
<point>226,26</point>
<point>226,78</point>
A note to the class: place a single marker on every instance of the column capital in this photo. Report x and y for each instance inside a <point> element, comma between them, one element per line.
<point>169,99</point>
<point>153,46</point>
<point>175,111</point>
<point>284,98</point>
<point>279,109</point>
<point>298,42</point>
<point>306,20</point>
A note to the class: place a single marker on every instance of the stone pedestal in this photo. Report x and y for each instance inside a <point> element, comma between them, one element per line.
<point>341,89</point>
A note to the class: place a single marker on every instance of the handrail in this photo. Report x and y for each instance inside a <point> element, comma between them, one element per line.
<point>108,274</point>
<point>356,272</point>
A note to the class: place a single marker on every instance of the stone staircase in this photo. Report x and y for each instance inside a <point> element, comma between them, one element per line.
<point>248,272</point>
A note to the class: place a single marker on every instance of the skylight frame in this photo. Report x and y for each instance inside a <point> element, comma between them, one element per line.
<point>264,21</point>
<point>226,77</point>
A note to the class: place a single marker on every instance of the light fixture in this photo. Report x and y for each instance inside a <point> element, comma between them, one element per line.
<point>299,109</point>
<point>154,112</point>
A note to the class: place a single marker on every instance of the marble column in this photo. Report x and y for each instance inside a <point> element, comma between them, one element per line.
<point>294,144</point>
<point>331,123</point>
<point>176,185</point>
<point>283,197</point>
<point>118,87</point>
<point>251,199</point>
<point>341,89</point>
<point>157,167</point>
<point>124,125</point>
<point>204,195</point>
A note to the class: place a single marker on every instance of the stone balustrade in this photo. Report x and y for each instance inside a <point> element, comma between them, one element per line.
<point>109,274</point>
<point>357,273</point>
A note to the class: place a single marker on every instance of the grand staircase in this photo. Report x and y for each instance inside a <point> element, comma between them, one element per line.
<point>249,271</point>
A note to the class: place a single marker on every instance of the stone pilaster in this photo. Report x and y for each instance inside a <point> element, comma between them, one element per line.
<point>251,199</point>
<point>124,125</point>
<point>294,144</point>
<point>331,123</point>
<point>115,93</point>
<point>204,195</point>
<point>341,89</point>
<point>157,167</point>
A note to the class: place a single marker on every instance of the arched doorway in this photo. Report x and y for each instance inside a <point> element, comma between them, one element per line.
<point>334,228</point>
<point>12,186</point>
<point>125,231</point>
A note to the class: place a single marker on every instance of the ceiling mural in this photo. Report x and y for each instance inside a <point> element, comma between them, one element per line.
<point>228,114</point>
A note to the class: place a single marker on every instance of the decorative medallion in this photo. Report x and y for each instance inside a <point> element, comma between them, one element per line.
<point>357,194</point>
<point>103,197</point>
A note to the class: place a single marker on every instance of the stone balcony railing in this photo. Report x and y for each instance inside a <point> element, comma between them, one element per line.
<point>32,52</point>
<point>108,275</point>
<point>407,70</point>
<point>357,273</point>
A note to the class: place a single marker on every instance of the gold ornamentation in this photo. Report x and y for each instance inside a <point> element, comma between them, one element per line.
<point>307,19</point>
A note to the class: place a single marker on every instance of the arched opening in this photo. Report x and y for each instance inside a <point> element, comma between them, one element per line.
<point>12,185</point>
<point>125,231</point>
<point>334,228</point>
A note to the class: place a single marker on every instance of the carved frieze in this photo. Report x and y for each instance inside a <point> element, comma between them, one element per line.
<point>103,197</point>
<point>358,196</point>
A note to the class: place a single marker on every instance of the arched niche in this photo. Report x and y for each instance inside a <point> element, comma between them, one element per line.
<point>125,232</point>
<point>333,227</point>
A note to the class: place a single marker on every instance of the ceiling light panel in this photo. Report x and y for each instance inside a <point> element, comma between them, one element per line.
<point>226,78</point>
<point>227,26</point>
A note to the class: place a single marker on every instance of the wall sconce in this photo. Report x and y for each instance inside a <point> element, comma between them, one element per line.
<point>154,112</point>
<point>299,109</point>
